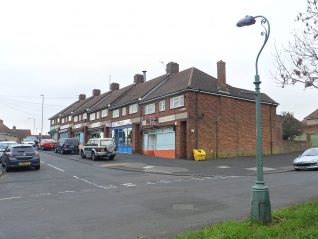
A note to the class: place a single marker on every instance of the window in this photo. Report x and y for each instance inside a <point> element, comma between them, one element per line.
<point>123,111</point>
<point>84,116</point>
<point>79,117</point>
<point>162,105</point>
<point>150,109</point>
<point>69,118</point>
<point>176,102</point>
<point>75,118</point>
<point>92,116</point>
<point>97,114</point>
<point>58,120</point>
<point>115,113</point>
<point>52,122</point>
<point>63,120</point>
<point>133,109</point>
<point>105,113</point>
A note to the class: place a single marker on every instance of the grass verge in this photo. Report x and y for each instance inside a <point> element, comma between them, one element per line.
<point>297,222</point>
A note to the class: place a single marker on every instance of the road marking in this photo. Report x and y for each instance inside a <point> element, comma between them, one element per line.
<point>94,184</point>
<point>129,185</point>
<point>10,198</point>
<point>66,192</point>
<point>264,169</point>
<point>53,167</point>
<point>148,167</point>
<point>223,166</point>
<point>42,194</point>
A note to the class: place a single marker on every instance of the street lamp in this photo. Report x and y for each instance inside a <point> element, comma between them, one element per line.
<point>33,124</point>
<point>42,115</point>
<point>260,204</point>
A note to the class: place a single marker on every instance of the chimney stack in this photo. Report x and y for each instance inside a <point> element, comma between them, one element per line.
<point>1,122</point>
<point>138,78</point>
<point>14,128</point>
<point>96,92</point>
<point>114,86</point>
<point>82,97</point>
<point>172,67</point>
<point>221,81</point>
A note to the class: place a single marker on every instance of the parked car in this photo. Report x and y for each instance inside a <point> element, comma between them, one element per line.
<point>47,144</point>
<point>308,160</point>
<point>31,140</point>
<point>67,145</point>
<point>4,144</point>
<point>99,148</point>
<point>20,155</point>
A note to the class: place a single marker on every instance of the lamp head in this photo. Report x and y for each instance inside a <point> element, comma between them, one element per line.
<point>246,21</point>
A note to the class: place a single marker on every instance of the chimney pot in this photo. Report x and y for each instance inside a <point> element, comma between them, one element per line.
<point>138,78</point>
<point>221,81</point>
<point>172,67</point>
<point>96,92</point>
<point>144,73</point>
<point>114,86</point>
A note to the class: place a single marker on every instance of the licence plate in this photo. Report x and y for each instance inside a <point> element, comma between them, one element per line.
<point>24,163</point>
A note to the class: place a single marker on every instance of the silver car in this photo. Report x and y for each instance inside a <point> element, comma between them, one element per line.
<point>308,160</point>
<point>4,144</point>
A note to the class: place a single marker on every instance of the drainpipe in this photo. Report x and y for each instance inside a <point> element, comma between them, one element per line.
<point>196,120</point>
<point>271,128</point>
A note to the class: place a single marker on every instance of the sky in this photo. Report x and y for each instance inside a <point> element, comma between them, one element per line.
<point>63,48</point>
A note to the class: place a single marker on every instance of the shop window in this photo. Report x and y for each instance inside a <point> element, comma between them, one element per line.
<point>176,102</point>
<point>116,113</point>
<point>162,105</point>
<point>133,109</point>
<point>150,109</point>
<point>105,113</point>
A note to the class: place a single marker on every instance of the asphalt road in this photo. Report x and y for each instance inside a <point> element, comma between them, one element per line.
<point>83,199</point>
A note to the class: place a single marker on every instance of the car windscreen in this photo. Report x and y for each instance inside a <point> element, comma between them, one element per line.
<point>71,141</point>
<point>311,152</point>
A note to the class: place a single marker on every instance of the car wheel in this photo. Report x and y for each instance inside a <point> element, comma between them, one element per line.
<point>112,157</point>
<point>37,167</point>
<point>7,169</point>
<point>55,150</point>
<point>61,152</point>
<point>82,154</point>
<point>94,158</point>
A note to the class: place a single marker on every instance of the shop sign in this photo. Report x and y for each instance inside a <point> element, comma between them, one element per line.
<point>95,125</point>
<point>56,127</point>
<point>77,126</point>
<point>150,120</point>
<point>121,123</point>
<point>65,126</point>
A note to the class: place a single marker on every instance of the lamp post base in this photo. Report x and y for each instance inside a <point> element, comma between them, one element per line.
<point>260,205</point>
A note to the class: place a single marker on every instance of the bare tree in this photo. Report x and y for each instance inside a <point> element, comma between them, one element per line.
<point>298,62</point>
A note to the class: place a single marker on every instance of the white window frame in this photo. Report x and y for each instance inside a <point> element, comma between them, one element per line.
<point>84,116</point>
<point>75,118</point>
<point>92,116</point>
<point>63,120</point>
<point>69,118</point>
<point>104,112</point>
<point>133,109</point>
<point>177,102</point>
<point>97,114</point>
<point>123,111</point>
<point>116,113</point>
<point>58,120</point>
<point>150,109</point>
<point>162,105</point>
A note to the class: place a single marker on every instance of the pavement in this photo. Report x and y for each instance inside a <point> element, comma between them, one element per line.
<point>244,166</point>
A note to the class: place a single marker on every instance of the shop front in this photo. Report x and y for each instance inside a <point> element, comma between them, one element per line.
<point>64,131</point>
<point>160,142</point>
<point>122,134</point>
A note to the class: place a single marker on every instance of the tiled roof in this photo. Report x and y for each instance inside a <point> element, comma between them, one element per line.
<point>139,91</point>
<point>313,115</point>
<point>21,133</point>
<point>4,129</point>
<point>113,96</point>
<point>194,79</point>
<point>64,110</point>
<point>75,106</point>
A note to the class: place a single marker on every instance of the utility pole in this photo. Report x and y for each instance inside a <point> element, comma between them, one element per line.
<point>42,115</point>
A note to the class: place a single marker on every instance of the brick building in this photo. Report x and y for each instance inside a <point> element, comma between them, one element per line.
<point>310,127</point>
<point>173,114</point>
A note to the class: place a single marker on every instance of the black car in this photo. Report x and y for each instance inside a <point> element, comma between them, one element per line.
<point>20,155</point>
<point>67,145</point>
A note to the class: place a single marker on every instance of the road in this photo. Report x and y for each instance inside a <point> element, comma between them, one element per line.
<point>83,199</point>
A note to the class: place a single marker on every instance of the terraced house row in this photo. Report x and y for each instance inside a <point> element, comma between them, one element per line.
<point>171,115</point>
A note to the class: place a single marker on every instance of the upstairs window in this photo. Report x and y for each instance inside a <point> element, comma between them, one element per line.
<point>176,102</point>
<point>84,116</point>
<point>92,116</point>
<point>150,109</point>
<point>133,109</point>
<point>97,114</point>
<point>105,113</point>
<point>75,118</point>
<point>162,105</point>
<point>115,113</point>
<point>69,118</point>
<point>123,111</point>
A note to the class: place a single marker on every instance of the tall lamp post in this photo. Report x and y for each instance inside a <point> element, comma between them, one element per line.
<point>42,115</point>
<point>33,124</point>
<point>260,203</point>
